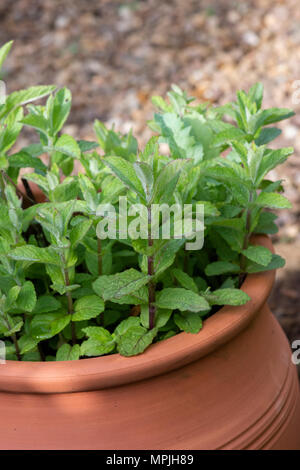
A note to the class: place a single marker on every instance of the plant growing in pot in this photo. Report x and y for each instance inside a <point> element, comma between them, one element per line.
<point>131,259</point>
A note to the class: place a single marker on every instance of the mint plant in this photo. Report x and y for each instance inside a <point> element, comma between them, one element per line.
<point>98,266</point>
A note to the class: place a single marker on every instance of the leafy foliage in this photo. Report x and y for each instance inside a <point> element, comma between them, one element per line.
<point>66,293</point>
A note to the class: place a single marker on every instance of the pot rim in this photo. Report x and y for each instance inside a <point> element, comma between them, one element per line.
<point>164,356</point>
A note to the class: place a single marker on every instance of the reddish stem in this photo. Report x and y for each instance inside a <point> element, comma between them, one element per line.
<point>151,284</point>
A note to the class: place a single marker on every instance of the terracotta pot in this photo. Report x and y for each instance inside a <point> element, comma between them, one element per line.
<point>232,386</point>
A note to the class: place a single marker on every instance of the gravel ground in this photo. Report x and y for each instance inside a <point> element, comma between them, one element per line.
<point>115,55</point>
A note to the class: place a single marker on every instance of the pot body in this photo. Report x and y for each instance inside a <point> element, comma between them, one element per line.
<point>242,395</point>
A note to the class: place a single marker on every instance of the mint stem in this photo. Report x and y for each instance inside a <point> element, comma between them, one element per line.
<point>29,193</point>
<point>243,273</point>
<point>14,339</point>
<point>41,352</point>
<point>8,178</point>
<point>151,284</point>
<point>99,251</point>
<point>70,306</point>
<point>2,186</point>
<point>16,344</point>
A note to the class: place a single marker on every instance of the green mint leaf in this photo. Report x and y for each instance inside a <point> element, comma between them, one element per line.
<point>40,180</point>
<point>23,159</point>
<point>8,138</point>
<point>68,353</point>
<point>60,109</point>
<point>110,317</point>
<point>41,325</point>
<point>62,288</point>
<point>59,324</point>
<point>221,267</point>
<point>79,231</point>
<point>68,146</point>
<point>66,191</point>
<point>35,254</point>
<point>258,254</point>
<point>89,192</point>
<point>22,97</point>
<point>275,263</point>
<point>15,324</point>
<point>162,316</point>
<point>165,256</point>
<point>145,174</point>
<point>176,135</point>
<point>26,300</point>
<point>10,301</point>
<point>272,115</point>
<point>267,135</point>
<point>125,171</point>
<point>86,146</point>
<point>4,52</point>
<point>160,103</point>
<point>227,296</point>
<point>227,136</point>
<point>118,285</point>
<point>210,210</point>
<point>87,307</point>
<point>273,201</point>
<point>166,181</point>
<point>36,121</point>
<point>265,223</point>
<point>271,159</point>
<point>45,304</point>
<point>190,322</point>
<point>135,340</point>
<point>125,325</point>
<point>27,343</point>
<point>255,94</point>
<point>100,342</point>
<point>181,299</point>
<point>32,356</point>
<point>184,280</point>
<point>150,149</point>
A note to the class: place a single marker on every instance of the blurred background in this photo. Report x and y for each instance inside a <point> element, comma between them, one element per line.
<point>114,55</point>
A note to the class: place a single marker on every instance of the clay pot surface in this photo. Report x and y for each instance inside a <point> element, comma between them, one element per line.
<point>231,386</point>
